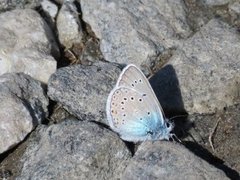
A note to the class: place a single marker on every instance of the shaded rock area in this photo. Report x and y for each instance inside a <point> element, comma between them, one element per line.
<point>74,150</point>
<point>208,68</point>
<point>23,105</point>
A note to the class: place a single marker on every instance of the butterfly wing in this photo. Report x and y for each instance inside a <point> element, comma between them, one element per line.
<point>133,110</point>
<point>132,77</point>
<point>132,114</point>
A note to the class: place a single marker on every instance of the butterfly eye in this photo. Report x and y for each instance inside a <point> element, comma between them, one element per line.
<point>168,124</point>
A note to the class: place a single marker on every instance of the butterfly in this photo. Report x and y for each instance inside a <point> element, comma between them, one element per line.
<point>133,110</point>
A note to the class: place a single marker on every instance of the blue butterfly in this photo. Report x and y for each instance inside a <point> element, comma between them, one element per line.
<point>133,110</point>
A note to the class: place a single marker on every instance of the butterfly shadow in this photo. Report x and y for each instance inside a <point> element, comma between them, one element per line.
<point>166,87</point>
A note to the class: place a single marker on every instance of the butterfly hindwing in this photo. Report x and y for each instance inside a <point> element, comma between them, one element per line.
<point>130,113</point>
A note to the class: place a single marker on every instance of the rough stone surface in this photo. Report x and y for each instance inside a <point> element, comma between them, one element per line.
<point>166,160</point>
<point>26,44</point>
<point>91,52</point>
<point>234,12</point>
<point>234,8</point>
<point>216,2</point>
<point>136,31</point>
<point>50,9</point>
<point>16,4</point>
<point>68,25</point>
<point>83,90</point>
<point>59,1</point>
<point>74,150</point>
<point>23,104</point>
<point>225,139</point>
<point>207,70</point>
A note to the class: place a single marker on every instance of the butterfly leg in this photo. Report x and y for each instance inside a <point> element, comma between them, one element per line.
<point>173,137</point>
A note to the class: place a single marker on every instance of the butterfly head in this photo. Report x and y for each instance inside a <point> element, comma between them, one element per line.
<point>164,131</point>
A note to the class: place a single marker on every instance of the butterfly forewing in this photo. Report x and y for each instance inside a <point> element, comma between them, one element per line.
<point>132,77</point>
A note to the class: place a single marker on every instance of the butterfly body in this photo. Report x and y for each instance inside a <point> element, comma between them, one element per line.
<point>133,110</point>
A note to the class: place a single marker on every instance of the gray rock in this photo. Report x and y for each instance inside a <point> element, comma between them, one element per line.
<point>234,9</point>
<point>91,52</point>
<point>83,90</point>
<point>26,44</point>
<point>226,127</point>
<point>23,104</point>
<point>50,9</point>
<point>16,4</point>
<point>198,14</point>
<point>166,160</point>
<point>206,70</point>
<point>216,2</point>
<point>68,25</point>
<point>74,150</point>
<point>136,31</point>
